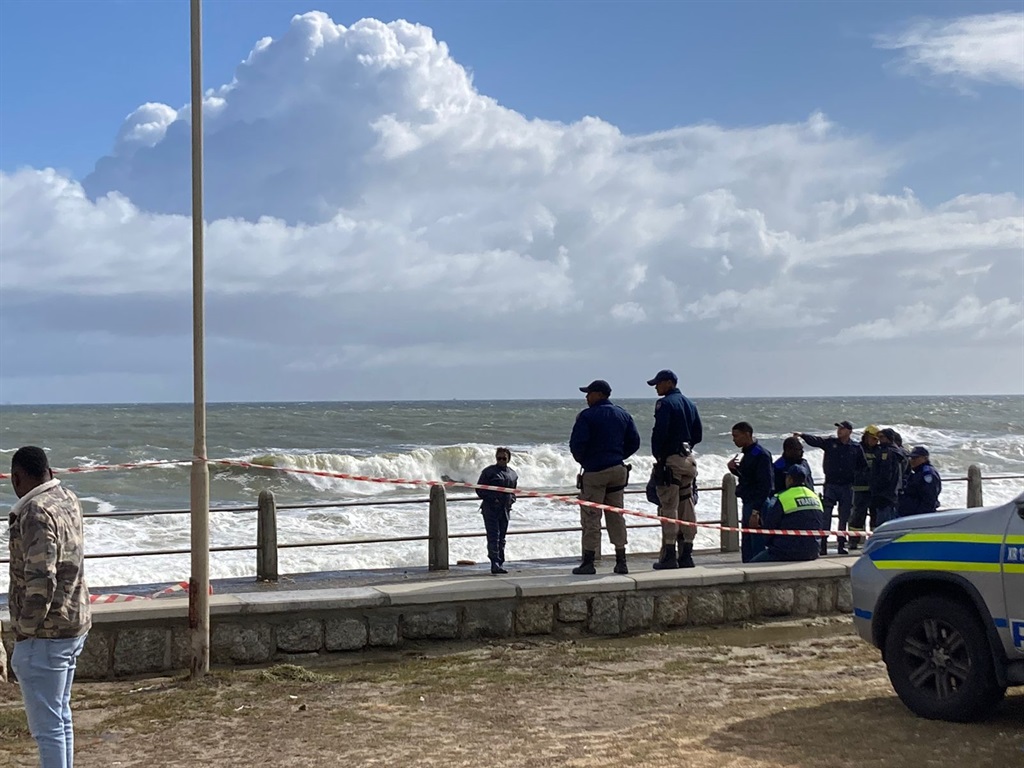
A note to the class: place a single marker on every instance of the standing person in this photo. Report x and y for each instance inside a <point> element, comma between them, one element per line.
<point>677,429</point>
<point>49,601</point>
<point>862,486</point>
<point>921,494</point>
<point>792,455</point>
<point>496,506</point>
<point>798,508</point>
<point>886,478</point>
<point>754,484</point>
<point>603,437</point>
<point>843,458</point>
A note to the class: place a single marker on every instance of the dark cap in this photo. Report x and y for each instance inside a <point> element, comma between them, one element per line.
<point>890,434</point>
<point>919,451</point>
<point>844,424</point>
<point>662,375</point>
<point>796,472</point>
<point>597,385</point>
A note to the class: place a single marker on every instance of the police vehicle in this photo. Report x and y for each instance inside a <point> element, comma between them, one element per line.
<point>942,596</point>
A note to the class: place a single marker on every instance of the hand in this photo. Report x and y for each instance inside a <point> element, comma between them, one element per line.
<point>796,434</point>
<point>733,466</point>
<point>755,520</point>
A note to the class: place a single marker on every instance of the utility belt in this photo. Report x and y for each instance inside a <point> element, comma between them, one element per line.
<point>663,475</point>
<point>611,488</point>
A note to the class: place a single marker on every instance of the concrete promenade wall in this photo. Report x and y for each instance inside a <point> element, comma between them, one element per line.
<point>257,627</point>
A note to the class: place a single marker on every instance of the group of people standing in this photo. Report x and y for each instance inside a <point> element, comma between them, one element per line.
<point>874,479</point>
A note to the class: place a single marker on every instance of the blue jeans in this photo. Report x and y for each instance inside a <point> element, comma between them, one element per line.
<point>751,544</point>
<point>45,670</point>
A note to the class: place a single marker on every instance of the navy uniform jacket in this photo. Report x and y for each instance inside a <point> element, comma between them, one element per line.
<point>755,479</point>
<point>496,500</point>
<point>676,421</point>
<point>887,474</point>
<point>779,470</point>
<point>840,462</point>
<point>796,509</point>
<point>604,435</point>
<point>921,493</point>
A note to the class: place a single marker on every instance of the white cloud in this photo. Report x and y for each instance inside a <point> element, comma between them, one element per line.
<point>369,209</point>
<point>986,48</point>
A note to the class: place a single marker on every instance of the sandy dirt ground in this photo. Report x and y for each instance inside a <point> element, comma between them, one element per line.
<point>795,693</point>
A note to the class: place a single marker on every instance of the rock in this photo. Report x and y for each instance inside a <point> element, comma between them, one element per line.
<point>671,610</point>
<point>773,600</point>
<point>440,624</point>
<point>604,615</point>
<point>345,634</point>
<point>141,650</point>
<point>535,619</point>
<point>488,621</point>
<point>572,609</point>
<point>241,644</point>
<point>301,636</point>
<point>706,607</point>
<point>637,612</point>
<point>844,600</point>
<point>737,605</point>
<point>382,631</point>
<point>805,599</point>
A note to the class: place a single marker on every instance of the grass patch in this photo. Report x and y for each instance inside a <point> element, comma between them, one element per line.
<point>293,673</point>
<point>13,724</point>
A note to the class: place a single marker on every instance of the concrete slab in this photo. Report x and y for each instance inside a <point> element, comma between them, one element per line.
<point>679,577</point>
<point>161,610</point>
<point>454,591</point>
<point>251,603</point>
<point>567,584</point>
<point>810,569</point>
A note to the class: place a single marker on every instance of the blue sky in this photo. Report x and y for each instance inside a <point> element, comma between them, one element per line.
<point>643,66</point>
<point>774,168</point>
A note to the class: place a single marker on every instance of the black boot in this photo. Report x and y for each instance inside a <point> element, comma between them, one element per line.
<point>667,559</point>
<point>824,545</point>
<point>496,567</point>
<point>586,568</point>
<point>620,561</point>
<point>685,554</point>
<point>854,543</point>
<point>841,546</point>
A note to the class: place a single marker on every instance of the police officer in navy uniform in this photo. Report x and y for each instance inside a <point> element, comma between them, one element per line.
<point>496,506</point>
<point>843,458</point>
<point>603,437</point>
<point>677,429</point>
<point>798,508</point>
<point>921,493</point>
<point>887,478</point>
<point>754,484</point>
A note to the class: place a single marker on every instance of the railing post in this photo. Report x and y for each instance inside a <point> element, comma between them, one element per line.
<point>730,514</point>
<point>437,545</point>
<point>266,537</point>
<point>974,495</point>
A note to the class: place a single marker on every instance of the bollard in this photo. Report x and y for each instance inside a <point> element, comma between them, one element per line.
<point>974,496</point>
<point>437,536</point>
<point>266,537</point>
<point>730,514</point>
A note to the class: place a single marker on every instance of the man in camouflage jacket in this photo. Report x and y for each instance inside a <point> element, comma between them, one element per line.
<point>49,601</point>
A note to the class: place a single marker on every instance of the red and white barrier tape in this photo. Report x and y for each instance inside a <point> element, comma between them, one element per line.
<point>180,589</point>
<point>457,484</point>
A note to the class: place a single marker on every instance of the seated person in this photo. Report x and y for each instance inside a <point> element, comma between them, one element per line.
<point>797,508</point>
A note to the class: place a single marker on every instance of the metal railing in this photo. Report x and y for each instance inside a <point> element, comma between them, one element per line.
<point>437,537</point>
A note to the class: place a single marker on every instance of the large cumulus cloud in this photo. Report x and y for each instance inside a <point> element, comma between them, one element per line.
<point>369,209</point>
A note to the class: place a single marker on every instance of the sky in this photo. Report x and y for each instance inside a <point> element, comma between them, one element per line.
<point>432,200</point>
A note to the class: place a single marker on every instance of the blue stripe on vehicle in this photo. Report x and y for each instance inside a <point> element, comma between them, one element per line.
<point>861,614</point>
<point>951,551</point>
<point>1001,623</point>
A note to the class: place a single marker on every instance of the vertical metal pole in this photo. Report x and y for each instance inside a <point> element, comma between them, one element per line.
<point>199,583</point>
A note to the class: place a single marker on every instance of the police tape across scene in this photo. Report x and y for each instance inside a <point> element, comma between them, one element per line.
<point>455,484</point>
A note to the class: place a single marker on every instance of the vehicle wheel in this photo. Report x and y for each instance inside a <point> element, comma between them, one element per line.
<point>940,662</point>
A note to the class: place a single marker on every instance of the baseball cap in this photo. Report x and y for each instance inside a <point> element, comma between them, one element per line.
<point>890,434</point>
<point>844,424</point>
<point>919,451</point>
<point>796,472</point>
<point>597,385</point>
<point>871,429</point>
<point>663,375</point>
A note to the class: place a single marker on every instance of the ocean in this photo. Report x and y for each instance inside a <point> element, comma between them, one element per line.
<point>429,440</point>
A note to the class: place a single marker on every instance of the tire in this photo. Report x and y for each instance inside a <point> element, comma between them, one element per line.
<point>939,661</point>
